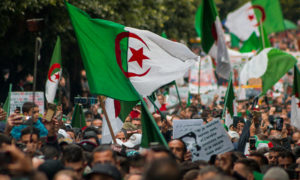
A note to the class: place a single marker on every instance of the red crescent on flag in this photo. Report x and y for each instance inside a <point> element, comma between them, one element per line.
<point>262,11</point>
<point>54,66</point>
<point>118,39</point>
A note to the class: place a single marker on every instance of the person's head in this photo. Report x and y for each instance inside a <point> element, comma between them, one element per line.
<point>158,152</point>
<point>104,172</point>
<point>259,158</point>
<point>276,173</point>
<point>104,154</point>
<point>92,134</point>
<point>137,122</point>
<point>191,175</point>
<point>4,139</point>
<point>161,99</point>
<point>178,148</point>
<point>162,169</point>
<point>209,172</point>
<point>273,155</point>
<point>88,115</point>
<point>71,133</point>
<point>72,157</point>
<point>50,152</point>
<point>296,137</point>
<point>31,109</point>
<point>285,159</point>
<point>66,175</point>
<point>246,167</point>
<point>97,123</point>
<point>121,135</point>
<point>31,138</point>
<point>88,122</point>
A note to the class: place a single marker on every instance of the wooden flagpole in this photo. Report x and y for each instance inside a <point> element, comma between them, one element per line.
<point>101,99</point>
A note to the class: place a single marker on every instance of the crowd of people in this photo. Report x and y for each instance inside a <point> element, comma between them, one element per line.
<point>266,145</point>
<point>32,147</point>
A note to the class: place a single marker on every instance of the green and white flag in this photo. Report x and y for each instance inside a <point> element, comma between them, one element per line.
<point>78,119</point>
<point>209,28</point>
<point>115,56</point>
<point>295,112</point>
<point>229,98</point>
<point>246,20</point>
<point>54,73</point>
<point>269,65</point>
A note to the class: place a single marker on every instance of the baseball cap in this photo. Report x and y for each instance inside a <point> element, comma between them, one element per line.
<point>128,126</point>
<point>105,169</point>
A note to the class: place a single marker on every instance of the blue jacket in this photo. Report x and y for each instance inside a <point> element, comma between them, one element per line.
<point>16,131</point>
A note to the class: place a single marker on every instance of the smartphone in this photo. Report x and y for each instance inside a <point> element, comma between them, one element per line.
<point>50,112</point>
<point>252,142</point>
<point>279,123</point>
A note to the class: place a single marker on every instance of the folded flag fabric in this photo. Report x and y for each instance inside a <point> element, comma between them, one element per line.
<point>269,65</point>
<point>295,111</point>
<point>54,73</point>
<point>209,28</point>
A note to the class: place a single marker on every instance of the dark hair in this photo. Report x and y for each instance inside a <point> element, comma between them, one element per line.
<point>250,164</point>
<point>72,153</point>
<point>136,119</point>
<point>50,152</point>
<point>187,166</point>
<point>287,154</point>
<point>184,145</point>
<point>160,148</point>
<point>4,139</point>
<point>263,159</point>
<point>27,106</point>
<point>162,169</point>
<point>105,147</point>
<point>277,149</point>
<point>28,130</point>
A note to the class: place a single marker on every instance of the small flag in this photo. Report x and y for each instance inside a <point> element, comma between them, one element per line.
<point>269,65</point>
<point>54,73</point>
<point>78,119</point>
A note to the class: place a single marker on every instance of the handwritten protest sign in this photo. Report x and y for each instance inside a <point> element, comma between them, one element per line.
<point>181,127</point>
<point>19,98</point>
<point>205,140</point>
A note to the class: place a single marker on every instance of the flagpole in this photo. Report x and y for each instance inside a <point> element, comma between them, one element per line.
<point>262,34</point>
<point>101,98</point>
<point>179,99</point>
<point>199,76</point>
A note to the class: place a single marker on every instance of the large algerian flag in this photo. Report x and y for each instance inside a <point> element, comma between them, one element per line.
<point>295,113</point>
<point>269,65</point>
<point>113,53</point>
<point>246,20</point>
<point>54,73</point>
<point>209,28</point>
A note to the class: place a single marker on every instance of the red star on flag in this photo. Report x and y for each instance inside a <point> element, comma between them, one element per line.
<point>138,56</point>
<point>298,104</point>
<point>56,76</point>
<point>251,17</point>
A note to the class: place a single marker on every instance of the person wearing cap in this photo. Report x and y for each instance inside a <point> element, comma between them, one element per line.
<point>130,129</point>
<point>104,172</point>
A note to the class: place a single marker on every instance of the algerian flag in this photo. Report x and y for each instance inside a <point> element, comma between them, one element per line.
<point>113,53</point>
<point>54,73</point>
<point>212,36</point>
<point>78,119</point>
<point>269,65</point>
<point>295,112</point>
<point>117,111</point>
<point>246,20</point>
